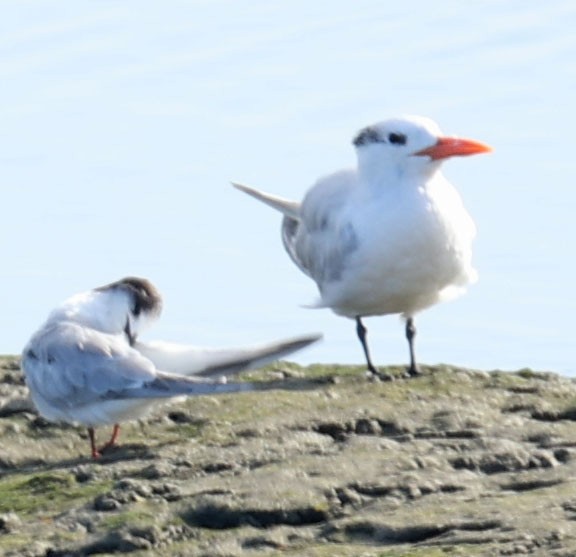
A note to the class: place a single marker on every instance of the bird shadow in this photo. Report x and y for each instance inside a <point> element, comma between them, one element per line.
<point>299,384</point>
<point>111,455</point>
<point>124,452</point>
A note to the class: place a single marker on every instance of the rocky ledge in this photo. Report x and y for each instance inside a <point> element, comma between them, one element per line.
<point>456,462</point>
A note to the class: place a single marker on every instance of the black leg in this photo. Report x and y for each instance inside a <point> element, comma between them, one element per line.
<point>361,332</point>
<point>410,334</point>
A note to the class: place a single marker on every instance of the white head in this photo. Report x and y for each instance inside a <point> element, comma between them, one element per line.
<point>125,306</point>
<point>408,145</point>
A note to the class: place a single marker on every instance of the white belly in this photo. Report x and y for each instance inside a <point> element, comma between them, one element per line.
<point>107,412</point>
<point>406,261</point>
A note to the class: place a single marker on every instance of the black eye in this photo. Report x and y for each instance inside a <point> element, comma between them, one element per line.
<point>397,138</point>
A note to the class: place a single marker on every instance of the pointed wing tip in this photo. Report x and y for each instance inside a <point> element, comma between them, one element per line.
<point>240,187</point>
<point>314,337</point>
<point>305,340</point>
<point>285,206</point>
<point>250,191</point>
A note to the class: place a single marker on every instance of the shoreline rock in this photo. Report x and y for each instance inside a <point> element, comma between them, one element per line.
<point>456,462</point>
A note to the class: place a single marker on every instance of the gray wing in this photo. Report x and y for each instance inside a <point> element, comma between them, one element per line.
<point>322,250</point>
<point>316,234</point>
<point>217,363</point>
<point>291,223</point>
<point>322,239</point>
<point>70,365</point>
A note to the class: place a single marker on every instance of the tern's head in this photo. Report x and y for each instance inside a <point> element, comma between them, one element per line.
<point>122,307</point>
<point>131,304</point>
<point>408,145</point>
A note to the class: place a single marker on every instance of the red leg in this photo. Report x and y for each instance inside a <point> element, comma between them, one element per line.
<point>113,439</point>
<point>92,436</point>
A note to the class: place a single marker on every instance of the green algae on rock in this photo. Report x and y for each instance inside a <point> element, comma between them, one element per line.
<point>455,462</point>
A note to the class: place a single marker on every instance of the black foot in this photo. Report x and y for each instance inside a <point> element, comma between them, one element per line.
<point>413,371</point>
<point>374,374</point>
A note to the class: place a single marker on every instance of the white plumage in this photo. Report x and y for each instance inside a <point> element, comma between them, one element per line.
<point>85,364</point>
<point>391,236</point>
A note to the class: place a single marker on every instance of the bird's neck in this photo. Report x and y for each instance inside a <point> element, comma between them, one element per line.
<point>375,177</point>
<point>94,310</point>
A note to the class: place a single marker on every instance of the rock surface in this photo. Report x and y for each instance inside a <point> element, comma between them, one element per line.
<point>456,462</point>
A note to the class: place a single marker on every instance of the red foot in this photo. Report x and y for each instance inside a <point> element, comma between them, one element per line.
<point>97,453</point>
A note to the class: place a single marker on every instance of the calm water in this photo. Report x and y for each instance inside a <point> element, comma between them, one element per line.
<point>121,125</point>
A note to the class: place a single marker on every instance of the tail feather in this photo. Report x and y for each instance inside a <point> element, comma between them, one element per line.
<point>212,379</point>
<point>259,357</point>
<point>188,360</point>
<point>169,385</point>
<point>285,206</point>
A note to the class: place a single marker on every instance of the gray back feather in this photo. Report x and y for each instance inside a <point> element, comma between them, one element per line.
<point>70,365</point>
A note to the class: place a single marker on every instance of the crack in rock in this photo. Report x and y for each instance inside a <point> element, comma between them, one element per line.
<point>127,540</point>
<point>530,485</point>
<point>375,532</point>
<point>340,431</point>
<point>368,530</point>
<point>505,462</point>
<point>222,517</point>
<point>551,415</point>
<point>409,490</point>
